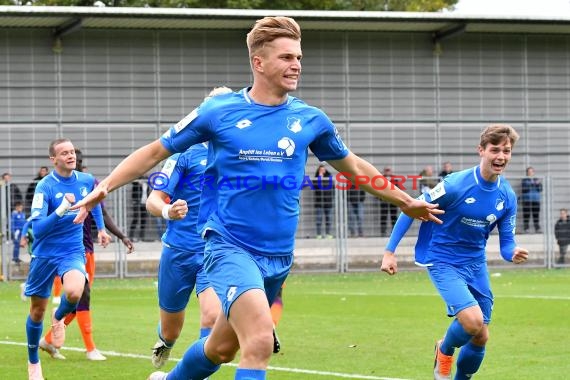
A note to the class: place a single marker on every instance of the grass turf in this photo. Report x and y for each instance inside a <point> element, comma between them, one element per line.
<point>360,326</point>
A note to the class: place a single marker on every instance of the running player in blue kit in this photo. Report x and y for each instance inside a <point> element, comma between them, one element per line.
<point>475,201</point>
<point>181,260</point>
<point>258,146</point>
<point>58,247</point>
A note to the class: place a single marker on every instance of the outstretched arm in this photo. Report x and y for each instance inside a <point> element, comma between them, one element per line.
<point>363,170</point>
<point>389,261</point>
<point>131,168</point>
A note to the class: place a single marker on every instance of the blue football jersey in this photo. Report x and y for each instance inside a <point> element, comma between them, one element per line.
<point>64,236</point>
<point>185,172</point>
<point>256,165</point>
<point>473,208</point>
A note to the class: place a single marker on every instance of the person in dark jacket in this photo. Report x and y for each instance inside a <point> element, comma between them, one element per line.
<point>531,197</point>
<point>44,170</point>
<point>323,201</point>
<point>562,234</point>
<point>355,199</point>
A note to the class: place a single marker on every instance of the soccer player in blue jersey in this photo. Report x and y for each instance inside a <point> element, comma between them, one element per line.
<point>83,310</point>
<point>258,140</point>
<point>475,201</point>
<point>58,247</point>
<point>181,262</point>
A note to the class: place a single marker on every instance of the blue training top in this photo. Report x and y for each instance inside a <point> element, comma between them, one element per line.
<point>473,207</point>
<point>185,172</point>
<point>256,165</point>
<point>56,236</point>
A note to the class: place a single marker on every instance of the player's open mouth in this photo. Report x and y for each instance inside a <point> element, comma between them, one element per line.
<point>499,166</point>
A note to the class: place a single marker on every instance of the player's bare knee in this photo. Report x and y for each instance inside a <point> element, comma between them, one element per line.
<point>223,353</point>
<point>37,314</point>
<point>472,326</point>
<point>74,295</point>
<point>481,338</point>
<point>259,345</point>
<point>208,318</point>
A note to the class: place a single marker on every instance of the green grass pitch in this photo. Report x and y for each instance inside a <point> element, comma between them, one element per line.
<point>334,326</point>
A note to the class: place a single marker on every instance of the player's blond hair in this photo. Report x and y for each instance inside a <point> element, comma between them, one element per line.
<point>497,133</point>
<point>268,29</point>
<point>218,91</point>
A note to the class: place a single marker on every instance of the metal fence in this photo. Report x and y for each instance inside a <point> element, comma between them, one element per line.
<point>335,250</point>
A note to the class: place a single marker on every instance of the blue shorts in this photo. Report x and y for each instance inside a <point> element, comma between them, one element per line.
<point>232,270</point>
<point>44,269</point>
<point>178,272</point>
<point>463,287</point>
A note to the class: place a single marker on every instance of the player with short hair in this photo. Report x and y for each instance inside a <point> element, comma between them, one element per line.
<point>83,311</point>
<point>258,143</point>
<point>58,247</point>
<point>475,201</point>
<point>181,260</point>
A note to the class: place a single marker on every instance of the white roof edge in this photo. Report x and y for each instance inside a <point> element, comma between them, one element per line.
<point>13,10</point>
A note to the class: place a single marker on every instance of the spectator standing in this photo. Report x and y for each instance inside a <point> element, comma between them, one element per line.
<point>428,180</point>
<point>388,211</point>
<point>44,170</point>
<point>446,169</point>
<point>562,234</point>
<point>139,195</point>
<point>18,221</point>
<point>323,201</point>
<point>531,198</point>
<point>13,193</point>
<point>356,199</point>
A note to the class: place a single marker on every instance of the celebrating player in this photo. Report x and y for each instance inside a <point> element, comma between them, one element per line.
<point>263,135</point>
<point>58,247</point>
<point>475,201</point>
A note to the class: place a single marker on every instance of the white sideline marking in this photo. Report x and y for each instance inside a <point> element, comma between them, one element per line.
<point>281,369</point>
<point>364,294</point>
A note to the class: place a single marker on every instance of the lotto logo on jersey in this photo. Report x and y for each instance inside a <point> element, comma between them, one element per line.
<point>231,293</point>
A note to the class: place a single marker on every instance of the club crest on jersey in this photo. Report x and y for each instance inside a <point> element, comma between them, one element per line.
<point>58,195</point>
<point>83,191</point>
<point>499,204</point>
<point>294,124</point>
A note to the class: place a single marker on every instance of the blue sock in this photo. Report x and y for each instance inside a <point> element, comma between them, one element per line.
<point>194,364</point>
<point>65,307</point>
<point>469,360</point>
<point>250,374</point>
<point>454,337</point>
<point>34,333</point>
<point>205,331</point>
<point>167,343</point>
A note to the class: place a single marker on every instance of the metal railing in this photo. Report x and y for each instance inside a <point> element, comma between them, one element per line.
<point>340,252</point>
